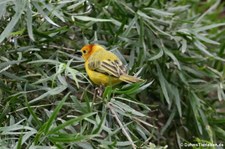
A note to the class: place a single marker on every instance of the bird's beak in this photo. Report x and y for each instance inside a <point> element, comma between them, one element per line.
<point>78,53</point>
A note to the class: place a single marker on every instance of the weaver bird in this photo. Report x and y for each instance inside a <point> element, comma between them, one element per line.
<point>104,67</point>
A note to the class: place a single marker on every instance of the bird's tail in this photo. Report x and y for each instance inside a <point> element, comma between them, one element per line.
<point>130,79</point>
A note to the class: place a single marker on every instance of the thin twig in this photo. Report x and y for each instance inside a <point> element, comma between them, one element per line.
<point>61,47</point>
<point>121,125</point>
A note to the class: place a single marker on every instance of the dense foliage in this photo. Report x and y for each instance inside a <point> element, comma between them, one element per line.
<point>46,99</point>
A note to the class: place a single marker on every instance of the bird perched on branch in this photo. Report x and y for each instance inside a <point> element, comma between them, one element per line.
<point>104,67</point>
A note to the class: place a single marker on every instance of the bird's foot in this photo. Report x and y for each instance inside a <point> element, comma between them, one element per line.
<point>99,91</point>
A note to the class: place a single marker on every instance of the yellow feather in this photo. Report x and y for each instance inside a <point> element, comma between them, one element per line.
<point>104,67</point>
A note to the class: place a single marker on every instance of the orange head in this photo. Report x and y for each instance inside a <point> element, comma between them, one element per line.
<point>87,51</point>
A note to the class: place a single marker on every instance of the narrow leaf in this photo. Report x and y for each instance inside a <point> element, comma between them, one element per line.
<point>10,26</point>
<point>204,28</point>
<point>29,22</point>
<point>69,122</point>
<point>65,138</point>
<point>202,48</point>
<point>54,114</point>
<point>53,91</point>
<point>157,56</point>
<point>40,10</point>
<point>205,39</point>
<point>2,2</point>
<point>163,82</point>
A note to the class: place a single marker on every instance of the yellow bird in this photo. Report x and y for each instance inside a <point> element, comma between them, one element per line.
<point>104,67</point>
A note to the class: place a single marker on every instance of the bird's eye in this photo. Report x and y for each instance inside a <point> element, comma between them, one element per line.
<point>85,51</point>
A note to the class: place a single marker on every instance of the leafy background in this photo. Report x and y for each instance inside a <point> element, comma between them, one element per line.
<point>46,99</point>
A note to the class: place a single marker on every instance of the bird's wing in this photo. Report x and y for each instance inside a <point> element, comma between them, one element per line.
<point>109,65</point>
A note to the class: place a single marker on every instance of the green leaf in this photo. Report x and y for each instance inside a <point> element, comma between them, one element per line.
<point>202,48</point>
<point>91,19</point>
<point>107,92</point>
<point>2,9</point>
<point>29,22</point>
<point>143,87</point>
<point>54,11</point>
<point>130,27</point>
<point>15,129</point>
<point>219,132</point>
<point>204,28</point>
<point>169,121</point>
<point>100,124</point>
<point>54,91</point>
<point>172,56</point>
<point>2,2</point>
<point>149,19</point>
<point>184,46</point>
<point>48,124</point>
<point>159,12</point>
<point>176,94</point>
<point>207,40</point>
<point>13,76</point>
<point>44,61</point>
<point>25,137</point>
<point>216,4</point>
<point>78,105</point>
<point>32,112</point>
<point>73,6</point>
<point>20,5</point>
<point>9,64</point>
<point>163,84</point>
<point>117,143</point>
<point>41,11</point>
<point>220,92</point>
<point>127,108</point>
<point>65,138</point>
<point>157,56</point>
<point>129,89</point>
<point>195,105</point>
<point>178,9</point>
<point>69,122</point>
